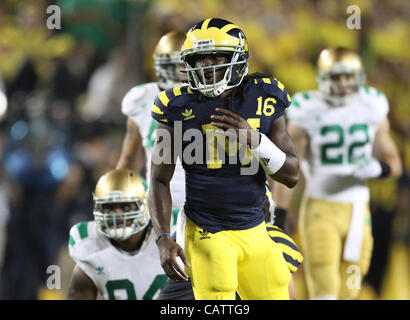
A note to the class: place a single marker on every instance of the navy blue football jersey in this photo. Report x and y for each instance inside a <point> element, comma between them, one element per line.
<point>218,197</point>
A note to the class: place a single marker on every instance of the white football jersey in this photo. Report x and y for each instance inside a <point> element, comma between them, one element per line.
<point>117,274</point>
<point>137,105</point>
<point>338,138</point>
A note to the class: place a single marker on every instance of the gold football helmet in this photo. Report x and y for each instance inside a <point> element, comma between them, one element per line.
<point>167,60</point>
<point>336,61</point>
<point>215,36</point>
<point>120,187</point>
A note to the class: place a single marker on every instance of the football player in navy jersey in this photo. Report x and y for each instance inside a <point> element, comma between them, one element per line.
<point>221,232</point>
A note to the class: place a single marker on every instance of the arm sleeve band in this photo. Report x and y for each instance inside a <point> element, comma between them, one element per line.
<point>269,155</point>
<point>386,170</point>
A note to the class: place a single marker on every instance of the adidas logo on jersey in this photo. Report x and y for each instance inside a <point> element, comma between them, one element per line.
<point>100,270</point>
<point>204,235</point>
<point>188,114</point>
<point>265,160</point>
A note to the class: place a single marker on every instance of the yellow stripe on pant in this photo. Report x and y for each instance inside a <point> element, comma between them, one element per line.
<point>246,261</point>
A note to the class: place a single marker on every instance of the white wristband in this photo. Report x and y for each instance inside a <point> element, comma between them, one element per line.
<point>269,155</point>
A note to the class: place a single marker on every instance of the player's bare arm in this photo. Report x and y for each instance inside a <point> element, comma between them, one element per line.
<point>160,208</point>
<point>81,287</point>
<point>288,173</point>
<point>132,154</point>
<point>300,138</point>
<point>386,150</point>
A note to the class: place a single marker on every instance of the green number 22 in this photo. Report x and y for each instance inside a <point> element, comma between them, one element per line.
<point>339,158</point>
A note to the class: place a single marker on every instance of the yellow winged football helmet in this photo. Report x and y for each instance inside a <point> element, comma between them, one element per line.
<point>120,186</point>
<point>215,36</point>
<point>333,61</point>
<point>167,60</point>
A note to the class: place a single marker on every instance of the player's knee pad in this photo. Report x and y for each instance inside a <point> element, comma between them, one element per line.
<point>322,244</point>
<point>353,272</point>
<point>323,280</point>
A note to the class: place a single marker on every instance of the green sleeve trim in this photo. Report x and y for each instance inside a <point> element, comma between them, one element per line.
<point>295,103</point>
<point>175,216</point>
<point>71,241</point>
<point>82,229</point>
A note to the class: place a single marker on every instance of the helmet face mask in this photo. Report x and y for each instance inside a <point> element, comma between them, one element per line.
<point>168,62</point>
<point>168,71</point>
<point>120,226</point>
<point>205,38</point>
<point>120,205</point>
<point>340,75</point>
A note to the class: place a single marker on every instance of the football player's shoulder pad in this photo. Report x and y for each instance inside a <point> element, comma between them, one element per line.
<point>167,104</point>
<point>136,97</point>
<point>376,101</point>
<point>303,105</point>
<point>84,240</point>
<point>272,87</point>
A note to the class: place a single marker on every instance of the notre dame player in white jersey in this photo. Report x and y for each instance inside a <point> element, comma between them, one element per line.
<point>136,105</point>
<point>116,256</point>
<point>342,133</point>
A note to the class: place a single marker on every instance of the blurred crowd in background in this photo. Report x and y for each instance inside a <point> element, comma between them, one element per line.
<point>63,127</point>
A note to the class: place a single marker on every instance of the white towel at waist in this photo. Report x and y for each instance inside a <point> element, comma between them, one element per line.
<point>353,243</point>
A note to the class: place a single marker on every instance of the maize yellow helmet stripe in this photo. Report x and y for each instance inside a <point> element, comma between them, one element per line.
<point>229,27</point>
<point>205,24</point>
<point>212,33</point>
<point>219,35</point>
